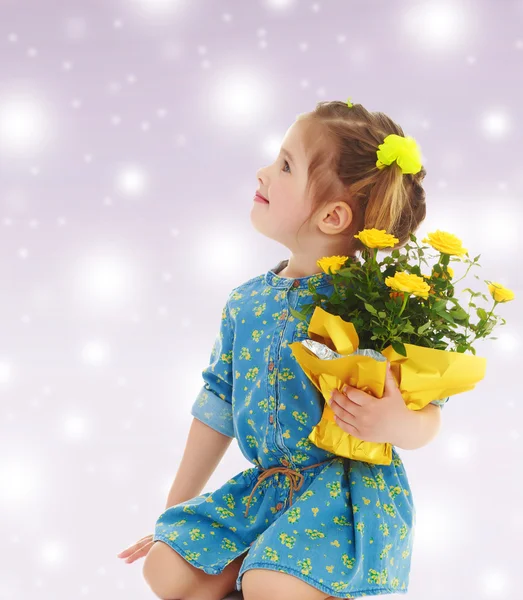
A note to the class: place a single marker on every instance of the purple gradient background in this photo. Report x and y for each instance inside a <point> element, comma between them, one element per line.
<point>130,136</point>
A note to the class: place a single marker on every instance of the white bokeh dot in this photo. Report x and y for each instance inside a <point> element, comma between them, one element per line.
<point>494,583</point>
<point>237,99</point>
<point>131,180</point>
<point>5,372</point>
<point>507,342</point>
<point>495,124</point>
<point>26,125</point>
<point>95,352</point>
<point>155,9</point>
<point>280,5</point>
<point>460,447</point>
<point>438,25</point>
<point>52,553</point>
<point>437,529</point>
<point>76,427</point>
<point>223,260</point>
<point>19,481</point>
<point>105,279</point>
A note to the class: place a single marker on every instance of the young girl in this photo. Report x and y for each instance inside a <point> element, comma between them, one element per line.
<point>301,523</point>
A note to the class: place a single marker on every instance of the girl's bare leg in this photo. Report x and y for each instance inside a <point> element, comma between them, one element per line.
<point>171,577</point>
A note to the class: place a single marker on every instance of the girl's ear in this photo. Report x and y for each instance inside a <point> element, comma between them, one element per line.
<point>336,217</point>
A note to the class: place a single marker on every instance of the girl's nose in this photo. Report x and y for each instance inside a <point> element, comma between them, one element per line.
<point>261,175</point>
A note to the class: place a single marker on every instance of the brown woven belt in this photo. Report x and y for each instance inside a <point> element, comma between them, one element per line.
<point>295,478</point>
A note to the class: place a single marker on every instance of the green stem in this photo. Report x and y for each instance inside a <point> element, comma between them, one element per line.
<point>375,261</point>
<point>487,320</point>
<point>405,298</point>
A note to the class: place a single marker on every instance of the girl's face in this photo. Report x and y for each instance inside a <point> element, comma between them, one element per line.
<point>284,183</point>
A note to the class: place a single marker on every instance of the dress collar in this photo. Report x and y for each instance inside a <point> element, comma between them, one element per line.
<point>318,280</point>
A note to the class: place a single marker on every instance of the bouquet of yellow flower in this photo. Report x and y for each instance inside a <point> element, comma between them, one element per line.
<point>391,311</point>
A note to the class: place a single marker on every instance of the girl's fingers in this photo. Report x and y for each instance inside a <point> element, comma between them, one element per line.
<point>131,549</point>
<point>140,553</point>
<point>339,398</point>
<point>341,412</point>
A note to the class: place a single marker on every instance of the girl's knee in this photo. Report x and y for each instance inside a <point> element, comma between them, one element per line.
<point>160,572</point>
<point>260,584</point>
<point>171,577</point>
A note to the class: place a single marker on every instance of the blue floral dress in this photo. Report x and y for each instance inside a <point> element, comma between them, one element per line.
<point>343,526</point>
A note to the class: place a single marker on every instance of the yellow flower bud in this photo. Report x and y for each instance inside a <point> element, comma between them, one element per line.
<point>500,293</point>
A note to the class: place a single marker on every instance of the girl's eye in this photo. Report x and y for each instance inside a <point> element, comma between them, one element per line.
<point>286,163</point>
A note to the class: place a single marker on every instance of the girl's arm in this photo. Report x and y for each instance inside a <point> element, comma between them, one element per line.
<point>419,428</point>
<point>203,452</point>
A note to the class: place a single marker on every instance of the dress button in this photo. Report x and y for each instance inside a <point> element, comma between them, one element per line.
<point>271,419</point>
<point>271,366</point>
<point>296,283</point>
<point>279,506</point>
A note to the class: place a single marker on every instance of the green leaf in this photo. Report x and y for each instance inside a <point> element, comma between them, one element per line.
<point>371,309</point>
<point>297,314</point>
<point>399,347</point>
<point>379,330</point>
<point>482,314</point>
<point>458,313</point>
<point>447,317</point>
<point>424,328</point>
<point>440,306</point>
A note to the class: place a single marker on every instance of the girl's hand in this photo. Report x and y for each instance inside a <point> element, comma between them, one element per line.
<point>138,550</point>
<point>368,418</point>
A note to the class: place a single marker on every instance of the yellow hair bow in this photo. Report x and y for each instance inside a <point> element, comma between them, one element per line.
<point>403,150</point>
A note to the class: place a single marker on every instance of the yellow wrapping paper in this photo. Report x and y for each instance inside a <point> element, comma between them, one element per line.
<point>422,376</point>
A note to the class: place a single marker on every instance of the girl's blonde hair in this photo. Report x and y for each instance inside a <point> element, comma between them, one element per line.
<point>341,143</point>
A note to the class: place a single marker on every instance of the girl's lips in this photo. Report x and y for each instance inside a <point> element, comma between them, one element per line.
<point>259,198</point>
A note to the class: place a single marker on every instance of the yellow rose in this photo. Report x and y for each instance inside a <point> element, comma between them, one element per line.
<point>451,273</point>
<point>376,238</point>
<point>333,262</point>
<point>500,293</point>
<point>408,282</point>
<point>445,242</point>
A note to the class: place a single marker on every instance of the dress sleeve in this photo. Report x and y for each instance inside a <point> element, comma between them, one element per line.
<point>213,404</point>
<point>440,403</point>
